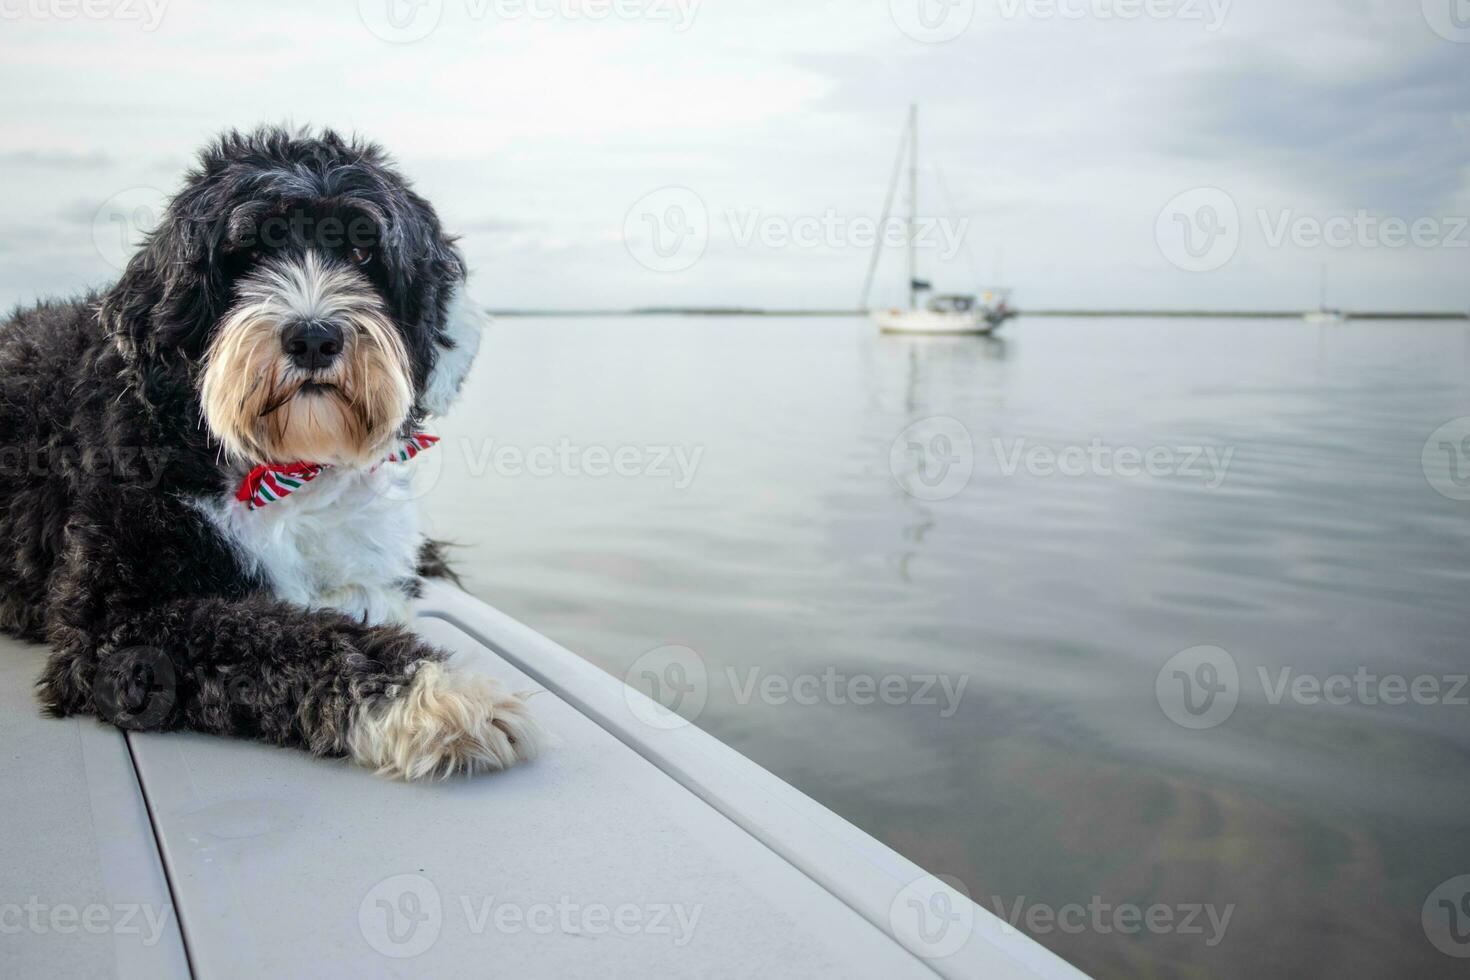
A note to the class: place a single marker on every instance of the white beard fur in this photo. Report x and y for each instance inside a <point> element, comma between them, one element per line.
<point>350,540</point>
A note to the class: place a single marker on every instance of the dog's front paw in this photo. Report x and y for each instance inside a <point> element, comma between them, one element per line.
<point>444,722</point>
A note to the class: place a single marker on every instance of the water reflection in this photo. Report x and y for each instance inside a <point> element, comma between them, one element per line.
<point>1058,779</point>
<point>925,457</point>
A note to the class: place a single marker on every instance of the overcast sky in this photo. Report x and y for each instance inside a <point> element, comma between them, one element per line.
<point>1178,157</point>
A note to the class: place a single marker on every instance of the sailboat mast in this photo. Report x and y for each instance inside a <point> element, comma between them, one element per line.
<point>879,243</point>
<point>913,205</point>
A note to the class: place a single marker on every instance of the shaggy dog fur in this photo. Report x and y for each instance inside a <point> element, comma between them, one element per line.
<point>169,604</point>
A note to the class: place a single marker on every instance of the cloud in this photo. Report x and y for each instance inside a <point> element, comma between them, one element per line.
<point>1391,139</point>
<point>1060,139</point>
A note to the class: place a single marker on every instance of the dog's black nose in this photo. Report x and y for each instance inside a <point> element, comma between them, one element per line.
<point>312,344</point>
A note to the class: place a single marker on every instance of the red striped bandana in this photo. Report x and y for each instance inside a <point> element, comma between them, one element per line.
<point>272,481</point>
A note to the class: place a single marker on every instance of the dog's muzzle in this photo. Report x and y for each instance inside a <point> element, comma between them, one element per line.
<point>306,364</point>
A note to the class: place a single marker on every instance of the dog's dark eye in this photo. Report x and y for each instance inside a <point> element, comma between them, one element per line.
<point>360,255</point>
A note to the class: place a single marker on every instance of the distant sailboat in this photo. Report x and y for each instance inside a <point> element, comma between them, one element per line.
<point>952,313</point>
<point>1322,314</point>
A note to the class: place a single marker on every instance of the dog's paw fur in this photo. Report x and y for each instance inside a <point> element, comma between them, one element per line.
<point>446,721</point>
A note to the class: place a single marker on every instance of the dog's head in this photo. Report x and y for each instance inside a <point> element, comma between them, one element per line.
<point>311,297</point>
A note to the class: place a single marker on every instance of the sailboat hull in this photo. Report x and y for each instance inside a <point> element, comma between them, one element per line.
<point>928,321</point>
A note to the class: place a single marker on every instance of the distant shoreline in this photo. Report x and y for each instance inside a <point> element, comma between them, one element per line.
<point>1102,314</point>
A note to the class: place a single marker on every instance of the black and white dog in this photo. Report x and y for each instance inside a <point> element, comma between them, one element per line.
<point>293,320</point>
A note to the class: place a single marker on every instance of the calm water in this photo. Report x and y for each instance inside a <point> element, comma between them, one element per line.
<point>1057,600</point>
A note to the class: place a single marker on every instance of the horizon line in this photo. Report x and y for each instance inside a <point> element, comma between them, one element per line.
<point>1060,312</point>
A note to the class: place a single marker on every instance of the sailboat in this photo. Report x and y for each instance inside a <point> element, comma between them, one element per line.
<point>1322,314</point>
<point>948,313</point>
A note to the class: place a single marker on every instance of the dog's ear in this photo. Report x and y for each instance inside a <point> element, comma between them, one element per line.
<point>453,322</point>
<point>169,295</point>
<point>456,342</point>
<point>426,289</point>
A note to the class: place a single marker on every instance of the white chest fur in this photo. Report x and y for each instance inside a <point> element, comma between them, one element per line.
<point>347,540</point>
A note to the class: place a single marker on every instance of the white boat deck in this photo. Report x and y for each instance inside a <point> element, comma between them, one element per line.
<point>627,850</point>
